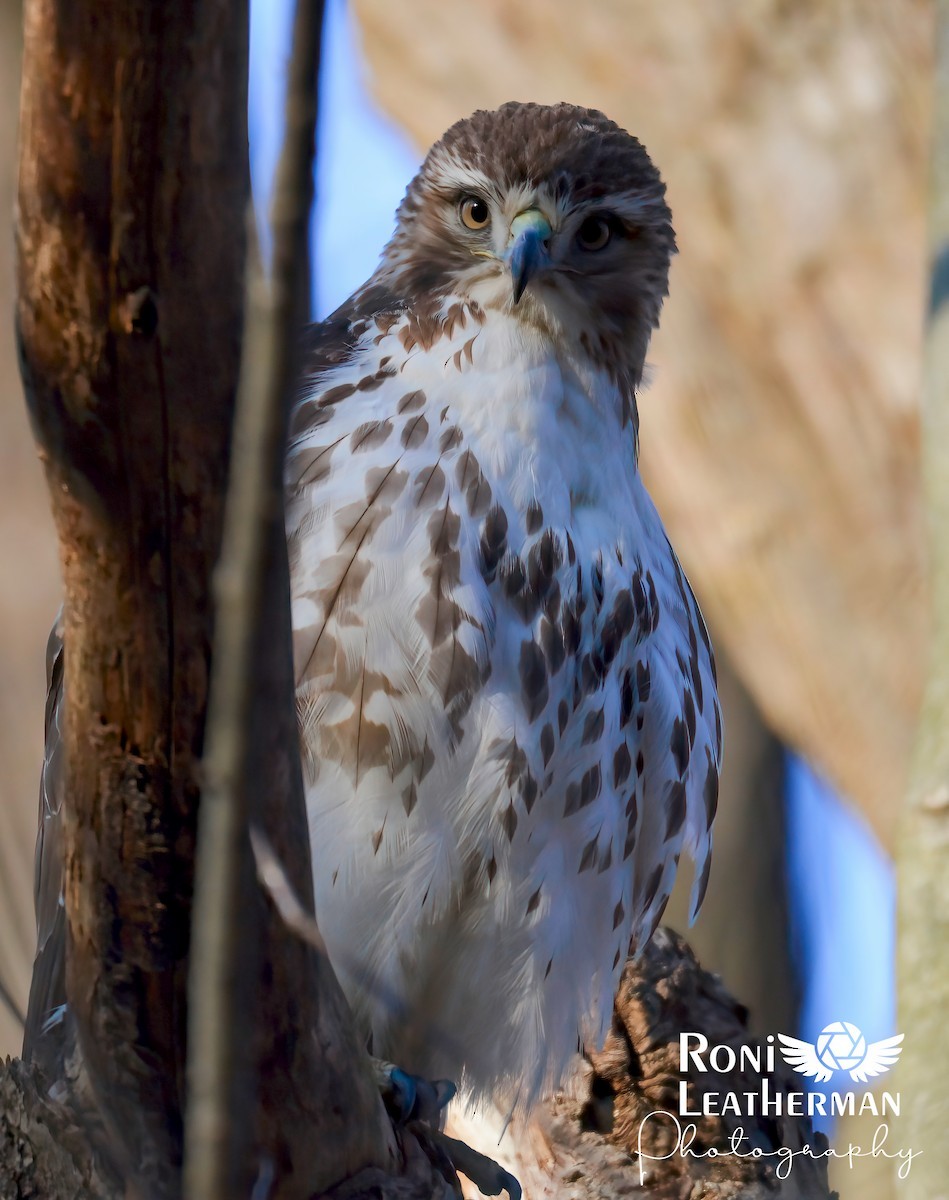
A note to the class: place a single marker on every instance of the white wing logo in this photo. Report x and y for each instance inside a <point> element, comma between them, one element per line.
<point>802,1056</point>
<point>841,1046</point>
<point>880,1057</point>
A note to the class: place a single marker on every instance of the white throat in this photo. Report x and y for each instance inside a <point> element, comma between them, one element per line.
<point>550,422</point>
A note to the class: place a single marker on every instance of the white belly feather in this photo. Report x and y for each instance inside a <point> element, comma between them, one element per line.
<point>506,698</point>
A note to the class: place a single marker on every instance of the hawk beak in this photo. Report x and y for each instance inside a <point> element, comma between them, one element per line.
<point>528,248</point>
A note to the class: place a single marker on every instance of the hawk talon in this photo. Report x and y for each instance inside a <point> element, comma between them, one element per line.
<point>410,1097</point>
<point>487,1175</point>
<point>403,1098</point>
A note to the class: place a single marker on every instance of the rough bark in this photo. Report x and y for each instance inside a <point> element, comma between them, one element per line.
<point>129,319</point>
<point>45,1152</point>
<point>923,857</point>
<point>638,1072</point>
<point>583,1144</point>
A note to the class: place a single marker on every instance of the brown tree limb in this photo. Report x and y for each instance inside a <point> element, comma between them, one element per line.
<point>133,133</point>
<point>44,1152</point>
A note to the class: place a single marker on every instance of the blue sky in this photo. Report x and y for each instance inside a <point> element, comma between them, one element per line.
<point>365,162</point>
<point>843,896</point>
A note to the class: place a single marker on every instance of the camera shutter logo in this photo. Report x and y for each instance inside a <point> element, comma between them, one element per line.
<point>841,1046</point>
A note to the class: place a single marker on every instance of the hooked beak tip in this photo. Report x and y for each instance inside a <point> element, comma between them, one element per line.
<point>528,250</point>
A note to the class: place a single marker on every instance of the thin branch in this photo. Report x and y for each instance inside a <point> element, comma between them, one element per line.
<point>273,879</point>
<point>274,313</point>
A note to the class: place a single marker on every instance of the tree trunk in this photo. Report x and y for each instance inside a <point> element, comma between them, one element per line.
<point>923,856</point>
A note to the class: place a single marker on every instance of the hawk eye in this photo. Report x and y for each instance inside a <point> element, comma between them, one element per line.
<point>474,212</point>
<point>594,233</point>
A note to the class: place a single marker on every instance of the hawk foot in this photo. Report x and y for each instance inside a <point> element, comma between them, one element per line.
<point>487,1175</point>
<point>409,1097</point>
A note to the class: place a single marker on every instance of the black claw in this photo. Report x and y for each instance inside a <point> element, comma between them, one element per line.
<point>487,1175</point>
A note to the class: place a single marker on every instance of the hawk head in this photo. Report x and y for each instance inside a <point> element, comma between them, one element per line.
<point>554,214</point>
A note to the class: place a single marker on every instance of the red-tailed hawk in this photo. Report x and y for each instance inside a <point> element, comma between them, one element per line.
<point>506,690</point>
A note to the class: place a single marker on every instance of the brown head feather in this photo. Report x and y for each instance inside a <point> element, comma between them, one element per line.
<point>571,161</point>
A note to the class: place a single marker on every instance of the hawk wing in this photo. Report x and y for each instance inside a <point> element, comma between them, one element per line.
<point>335,342</point>
<point>880,1057</point>
<point>802,1056</point>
